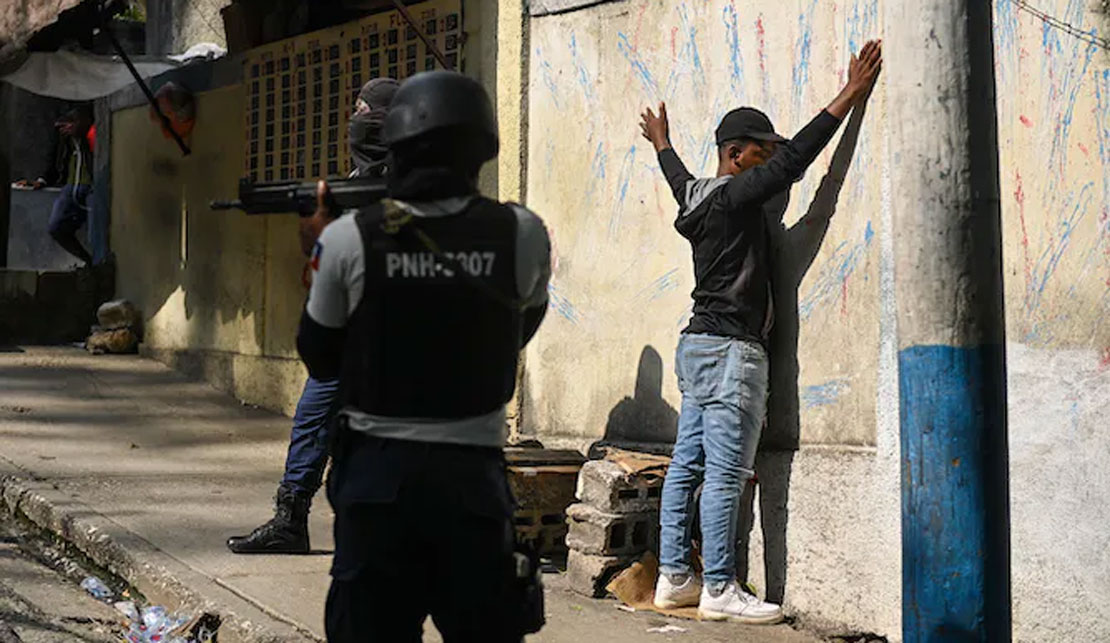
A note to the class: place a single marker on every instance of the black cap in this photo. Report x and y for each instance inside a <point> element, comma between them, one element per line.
<point>747,122</point>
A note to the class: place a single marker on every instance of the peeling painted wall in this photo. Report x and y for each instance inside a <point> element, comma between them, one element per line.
<point>220,288</point>
<point>1054,138</point>
<point>623,277</point>
<point>829,543</point>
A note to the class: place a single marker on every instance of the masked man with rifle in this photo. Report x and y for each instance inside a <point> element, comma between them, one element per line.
<point>287,532</point>
<point>420,305</point>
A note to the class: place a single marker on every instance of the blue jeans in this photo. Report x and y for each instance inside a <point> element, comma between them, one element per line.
<point>308,442</point>
<point>71,211</point>
<point>724,399</point>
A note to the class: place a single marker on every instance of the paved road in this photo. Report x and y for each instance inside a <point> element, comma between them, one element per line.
<point>169,468</point>
<point>39,605</point>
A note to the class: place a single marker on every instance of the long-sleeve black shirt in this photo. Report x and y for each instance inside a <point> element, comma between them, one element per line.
<point>723,220</point>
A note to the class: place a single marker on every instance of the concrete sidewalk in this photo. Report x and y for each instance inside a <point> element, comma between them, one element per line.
<point>148,473</point>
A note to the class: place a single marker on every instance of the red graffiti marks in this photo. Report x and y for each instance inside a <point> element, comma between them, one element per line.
<point>1104,359</point>
<point>636,42</point>
<point>1025,121</point>
<point>1083,148</point>
<point>639,25</point>
<point>844,297</point>
<point>674,42</point>
<point>1019,196</point>
<point>762,34</point>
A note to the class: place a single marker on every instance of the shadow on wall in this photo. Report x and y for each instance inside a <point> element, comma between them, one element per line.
<point>793,253</point>
<point>645,421</point>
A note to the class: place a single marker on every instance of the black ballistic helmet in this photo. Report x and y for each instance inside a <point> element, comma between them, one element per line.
<point>442,100</point>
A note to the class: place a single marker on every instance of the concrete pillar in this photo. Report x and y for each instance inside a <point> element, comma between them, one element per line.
<point>948,270</point>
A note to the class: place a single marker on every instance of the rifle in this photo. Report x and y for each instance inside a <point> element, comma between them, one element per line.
<point>270,198</point>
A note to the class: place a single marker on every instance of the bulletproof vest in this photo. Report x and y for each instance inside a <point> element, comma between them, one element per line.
<point>425,342</point>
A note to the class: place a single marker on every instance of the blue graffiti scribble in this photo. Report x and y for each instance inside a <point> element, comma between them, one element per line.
<point>1005,36</point>
<point>684,318</point>
<point>1073,80</point>
<point>582,74</point>
<point>597,169</point>
<point>1102,98</point>
<point>825,394</point>
<point>651,87</point>
<point>833,273</point>
<point>1050,259</point>
<point>687,62</point>
<point>861,25</point>
<point>658,288</point>
<point>692,46</point>
<point>547,74</point>
<point>562,305</point>
<point>623,180</point>
<point>736,57</point>
<point>802,53</point>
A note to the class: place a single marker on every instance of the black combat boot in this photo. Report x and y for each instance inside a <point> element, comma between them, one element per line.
<point>286,533</point>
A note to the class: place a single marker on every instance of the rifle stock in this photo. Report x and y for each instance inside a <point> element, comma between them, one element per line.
<point>300,197</point>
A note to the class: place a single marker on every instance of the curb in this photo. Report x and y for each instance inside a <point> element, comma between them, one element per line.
<point>163,579</point>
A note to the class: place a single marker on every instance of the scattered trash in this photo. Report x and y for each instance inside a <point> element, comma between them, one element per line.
<point>153,624</point>
<point>625,608</point>
<point>97,589</point>
<point>667,629</point>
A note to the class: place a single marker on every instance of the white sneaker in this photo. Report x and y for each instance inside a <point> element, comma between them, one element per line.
<point>669,596</point>
<point>734,604</point>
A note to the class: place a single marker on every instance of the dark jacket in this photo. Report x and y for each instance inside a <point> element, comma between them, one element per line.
<point>723,220</point>
<point>65,165</point>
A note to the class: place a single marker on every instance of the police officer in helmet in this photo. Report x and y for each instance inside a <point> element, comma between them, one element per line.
<point>421,304</point>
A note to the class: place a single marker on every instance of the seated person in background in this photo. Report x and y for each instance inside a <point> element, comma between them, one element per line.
<point>72,169</point>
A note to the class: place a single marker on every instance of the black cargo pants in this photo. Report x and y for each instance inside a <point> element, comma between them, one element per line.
<point>420,529</point>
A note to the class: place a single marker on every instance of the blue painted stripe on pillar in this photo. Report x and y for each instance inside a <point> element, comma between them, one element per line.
<point>955,499</point>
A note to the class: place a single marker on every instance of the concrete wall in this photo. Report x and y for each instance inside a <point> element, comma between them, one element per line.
<point>220,291</point>
<point>1054,134</point>
<point>30,246</point>
<point>175,25</point>
<point>828,536</point>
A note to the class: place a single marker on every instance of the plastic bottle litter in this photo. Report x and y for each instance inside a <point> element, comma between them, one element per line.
<point>152,624</point>
<point>97,588</point>
<point>128,609</point>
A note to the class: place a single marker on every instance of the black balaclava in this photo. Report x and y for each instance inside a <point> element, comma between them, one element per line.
<point>364,130</point>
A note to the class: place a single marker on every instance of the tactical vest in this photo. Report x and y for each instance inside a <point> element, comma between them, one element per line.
<point>423,342</point>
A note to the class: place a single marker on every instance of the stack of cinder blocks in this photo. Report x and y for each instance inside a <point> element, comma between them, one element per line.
<point>615,521</point>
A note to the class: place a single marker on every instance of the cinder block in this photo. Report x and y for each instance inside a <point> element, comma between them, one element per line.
<point>547,531</point>
<point>606,486</point>
<point>599,533</point>
<point>588,574</point>
<point>543,483</point>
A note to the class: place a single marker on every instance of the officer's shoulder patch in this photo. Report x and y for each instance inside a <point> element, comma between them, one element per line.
<point>317,252</point>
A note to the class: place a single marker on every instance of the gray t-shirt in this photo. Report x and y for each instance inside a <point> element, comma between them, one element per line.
<point>337,289</point>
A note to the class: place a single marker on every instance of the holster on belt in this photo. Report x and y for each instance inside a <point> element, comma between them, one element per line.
<point>528,586</point>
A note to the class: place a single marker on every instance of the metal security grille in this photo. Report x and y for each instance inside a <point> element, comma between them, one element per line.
<point>301,91</point>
